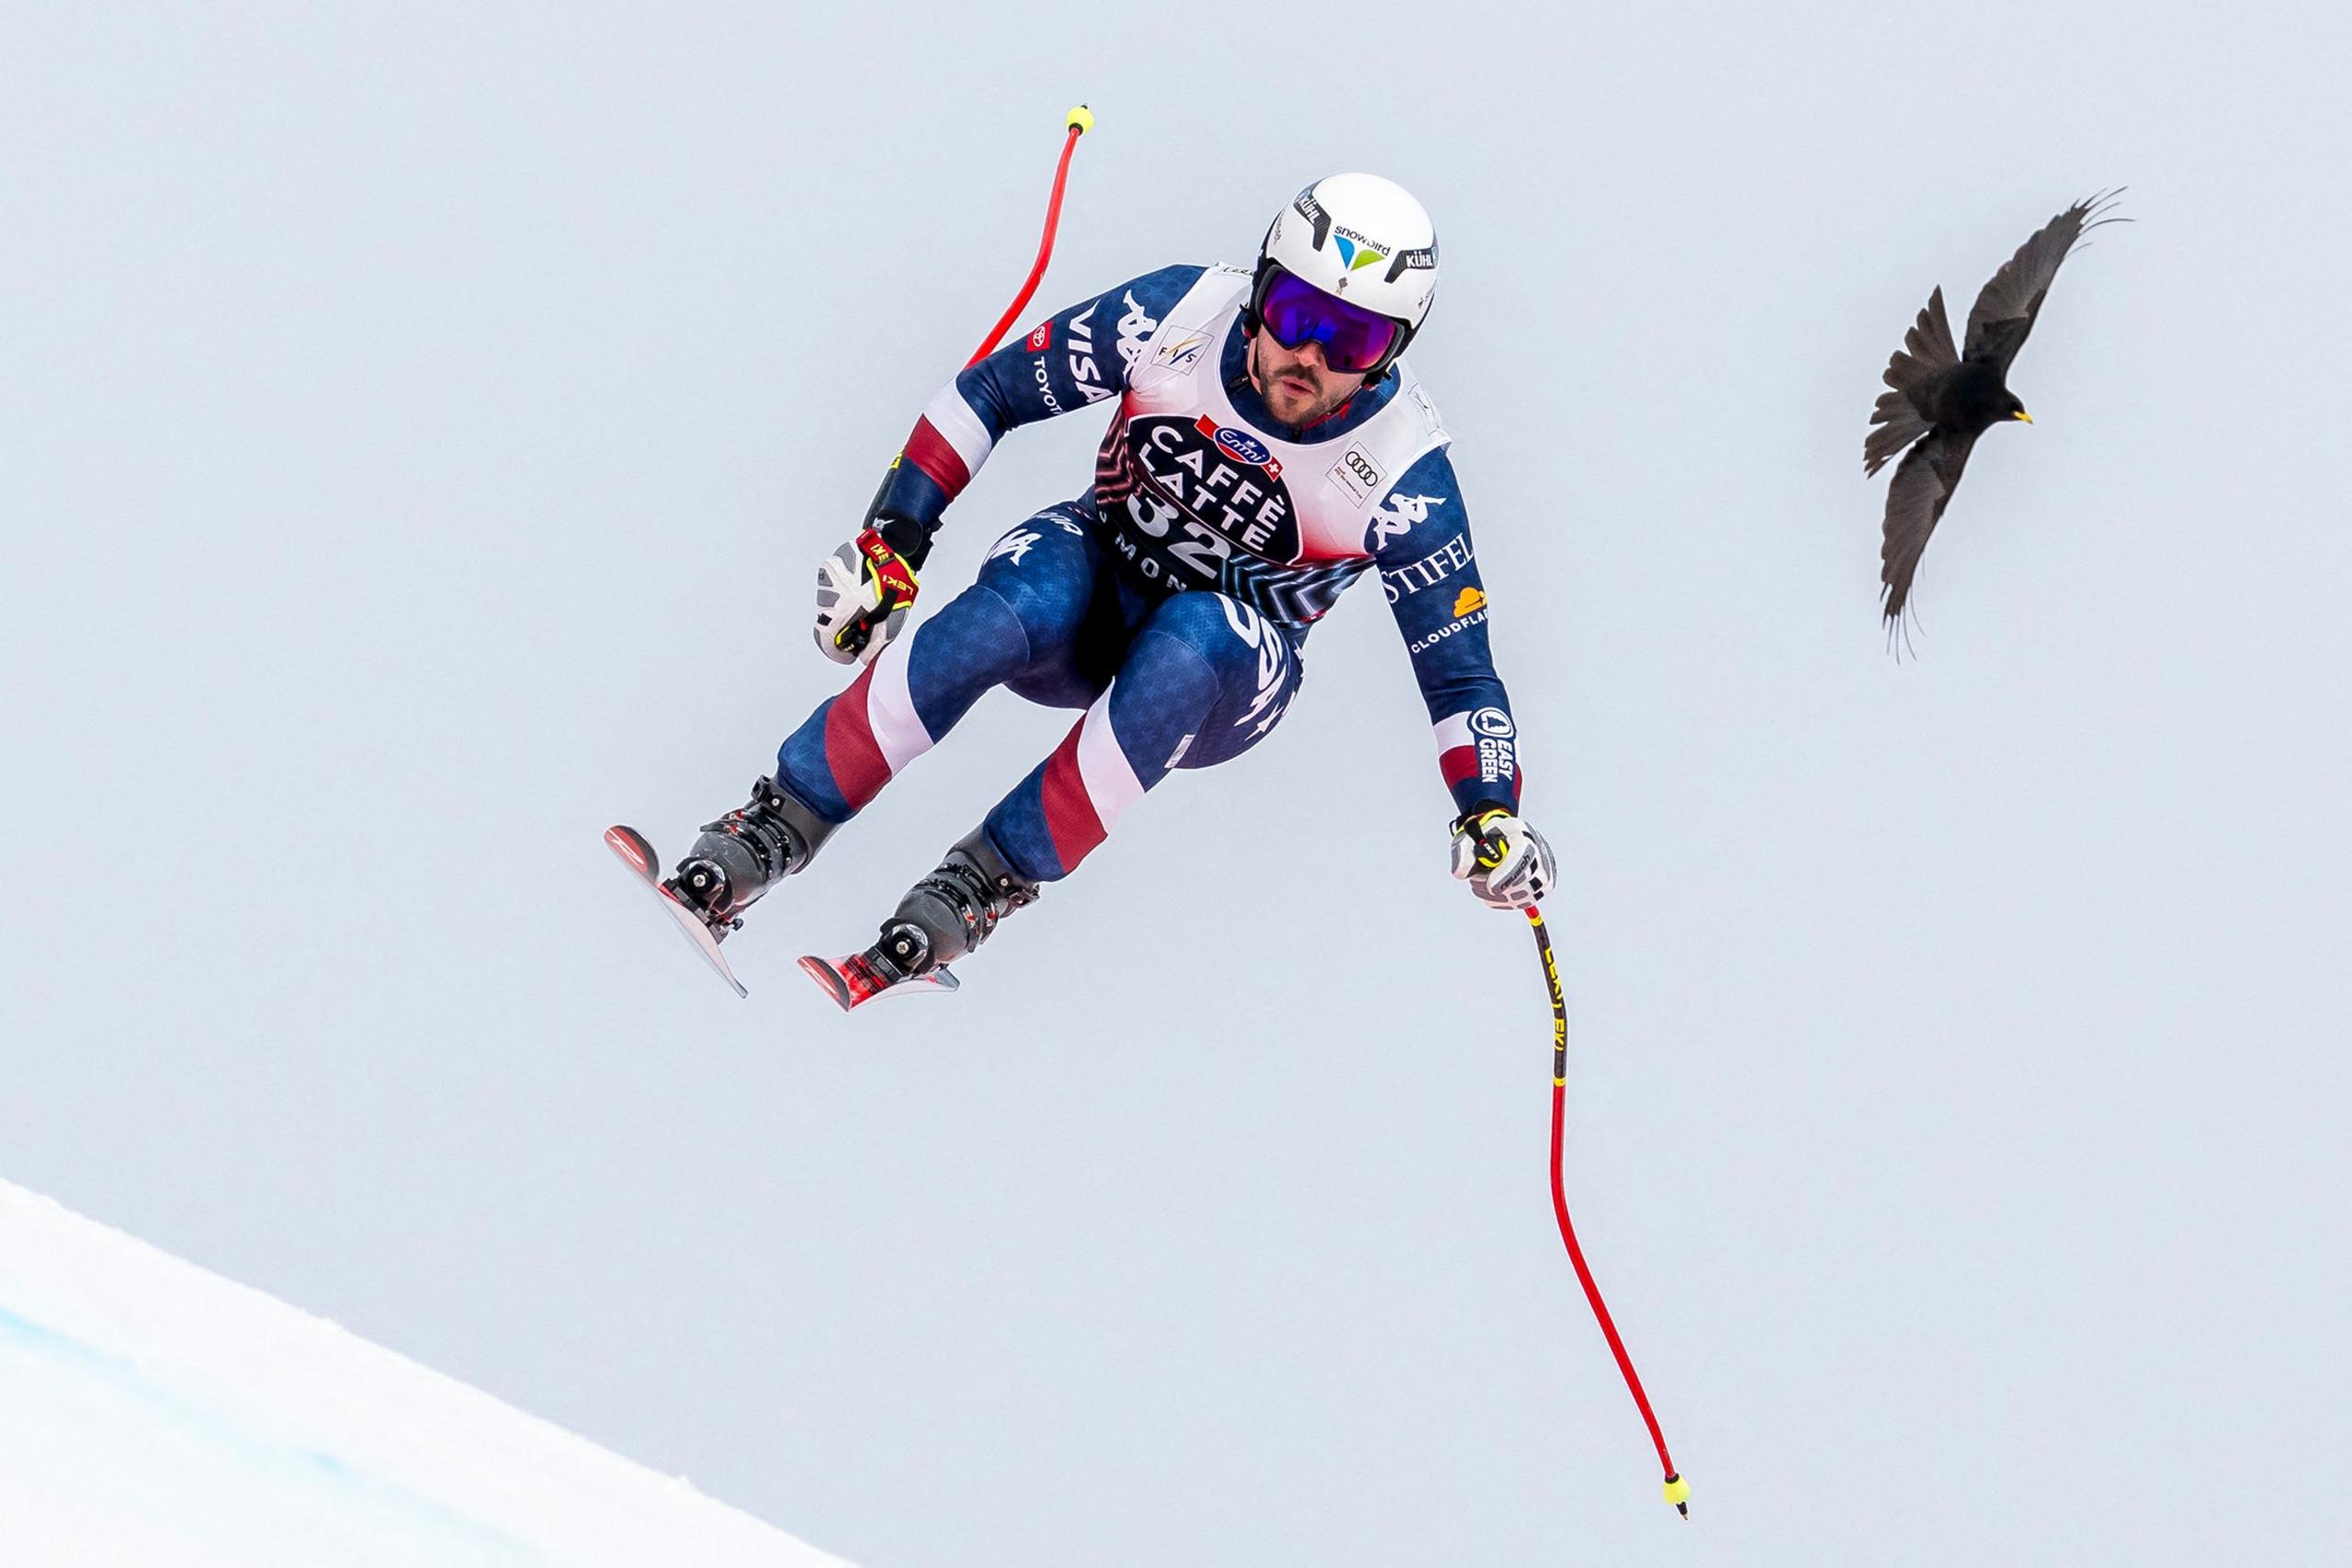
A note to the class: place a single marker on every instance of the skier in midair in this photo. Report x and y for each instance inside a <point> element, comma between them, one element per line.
<point>1268,447</point>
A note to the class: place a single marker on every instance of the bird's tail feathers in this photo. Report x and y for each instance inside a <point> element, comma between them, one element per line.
<point>1897,425</point>
<point>1926,353</point>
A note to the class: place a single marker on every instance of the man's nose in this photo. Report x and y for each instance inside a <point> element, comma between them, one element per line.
<point>1313,349</point>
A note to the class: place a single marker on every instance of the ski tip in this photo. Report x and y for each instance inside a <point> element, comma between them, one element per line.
<point>853,981</point>
<point>828,976</point>
<point>1678,1491</point>
<point>630,845</point>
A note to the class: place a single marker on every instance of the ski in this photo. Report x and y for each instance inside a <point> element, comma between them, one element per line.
<point>637,855</point>
<point>858,979</point>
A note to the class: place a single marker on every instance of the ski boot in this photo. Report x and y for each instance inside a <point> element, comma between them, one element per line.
<point>943,916</point>
<point>746,853</point>
<point>738,858</point>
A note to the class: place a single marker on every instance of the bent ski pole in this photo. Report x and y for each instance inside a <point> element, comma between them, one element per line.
<point>1678,1491</point>
<point>1079,120</point>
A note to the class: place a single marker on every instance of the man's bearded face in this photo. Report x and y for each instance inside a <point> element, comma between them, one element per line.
<point>1299,388</point>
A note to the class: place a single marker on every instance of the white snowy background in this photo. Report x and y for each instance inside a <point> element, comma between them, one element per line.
<point>158,1416</point>
<point>418,424</point>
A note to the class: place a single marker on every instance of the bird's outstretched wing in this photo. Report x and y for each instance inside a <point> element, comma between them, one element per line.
<point>1923,484</point>
<point>1902,414</point>
<point>2004,311</point>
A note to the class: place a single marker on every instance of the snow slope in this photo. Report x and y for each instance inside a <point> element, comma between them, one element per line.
<point>152,1414</point>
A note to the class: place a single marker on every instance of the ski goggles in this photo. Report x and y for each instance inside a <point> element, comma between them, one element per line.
<point>1298,313</point>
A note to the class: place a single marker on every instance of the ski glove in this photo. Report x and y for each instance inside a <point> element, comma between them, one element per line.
<point>863,592</point>
<point>1504,860</point>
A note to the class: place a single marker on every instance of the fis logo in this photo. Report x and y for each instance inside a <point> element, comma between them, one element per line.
<point>1181,351</point>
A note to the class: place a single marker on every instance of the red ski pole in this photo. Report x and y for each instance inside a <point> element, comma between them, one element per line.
<point>1079,120</point>
<point>1678,1491</point>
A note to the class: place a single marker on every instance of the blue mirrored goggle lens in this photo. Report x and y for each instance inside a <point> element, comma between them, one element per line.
<point>1298,313</point>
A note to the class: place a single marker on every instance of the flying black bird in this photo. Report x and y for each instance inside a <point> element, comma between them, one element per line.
<point>1951,396</point>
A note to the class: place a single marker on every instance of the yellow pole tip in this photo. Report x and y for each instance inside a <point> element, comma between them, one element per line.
<point>1678,1491</point>
<point>1081,119</point>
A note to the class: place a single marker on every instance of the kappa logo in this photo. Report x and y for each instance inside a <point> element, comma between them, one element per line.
<point>1135,330</point>
<point>1398,513</point>
<point>1468,600</point>
<point>1016,543</point>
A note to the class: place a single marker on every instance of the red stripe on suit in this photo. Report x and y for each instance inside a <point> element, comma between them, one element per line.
<point>859,772</point>
<point>1069,812</point>
<point>929,450</point>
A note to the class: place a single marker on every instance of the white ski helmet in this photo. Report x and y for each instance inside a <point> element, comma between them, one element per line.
<point>1361,238</point>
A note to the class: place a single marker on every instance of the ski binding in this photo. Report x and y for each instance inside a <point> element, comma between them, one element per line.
<point>858,979</point>
<point>638,855</point>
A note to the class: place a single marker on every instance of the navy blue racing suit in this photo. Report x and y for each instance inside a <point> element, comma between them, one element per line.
<point>1171,600</point>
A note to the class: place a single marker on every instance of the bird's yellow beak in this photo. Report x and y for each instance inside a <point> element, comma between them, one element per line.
<point>2024,416</point>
